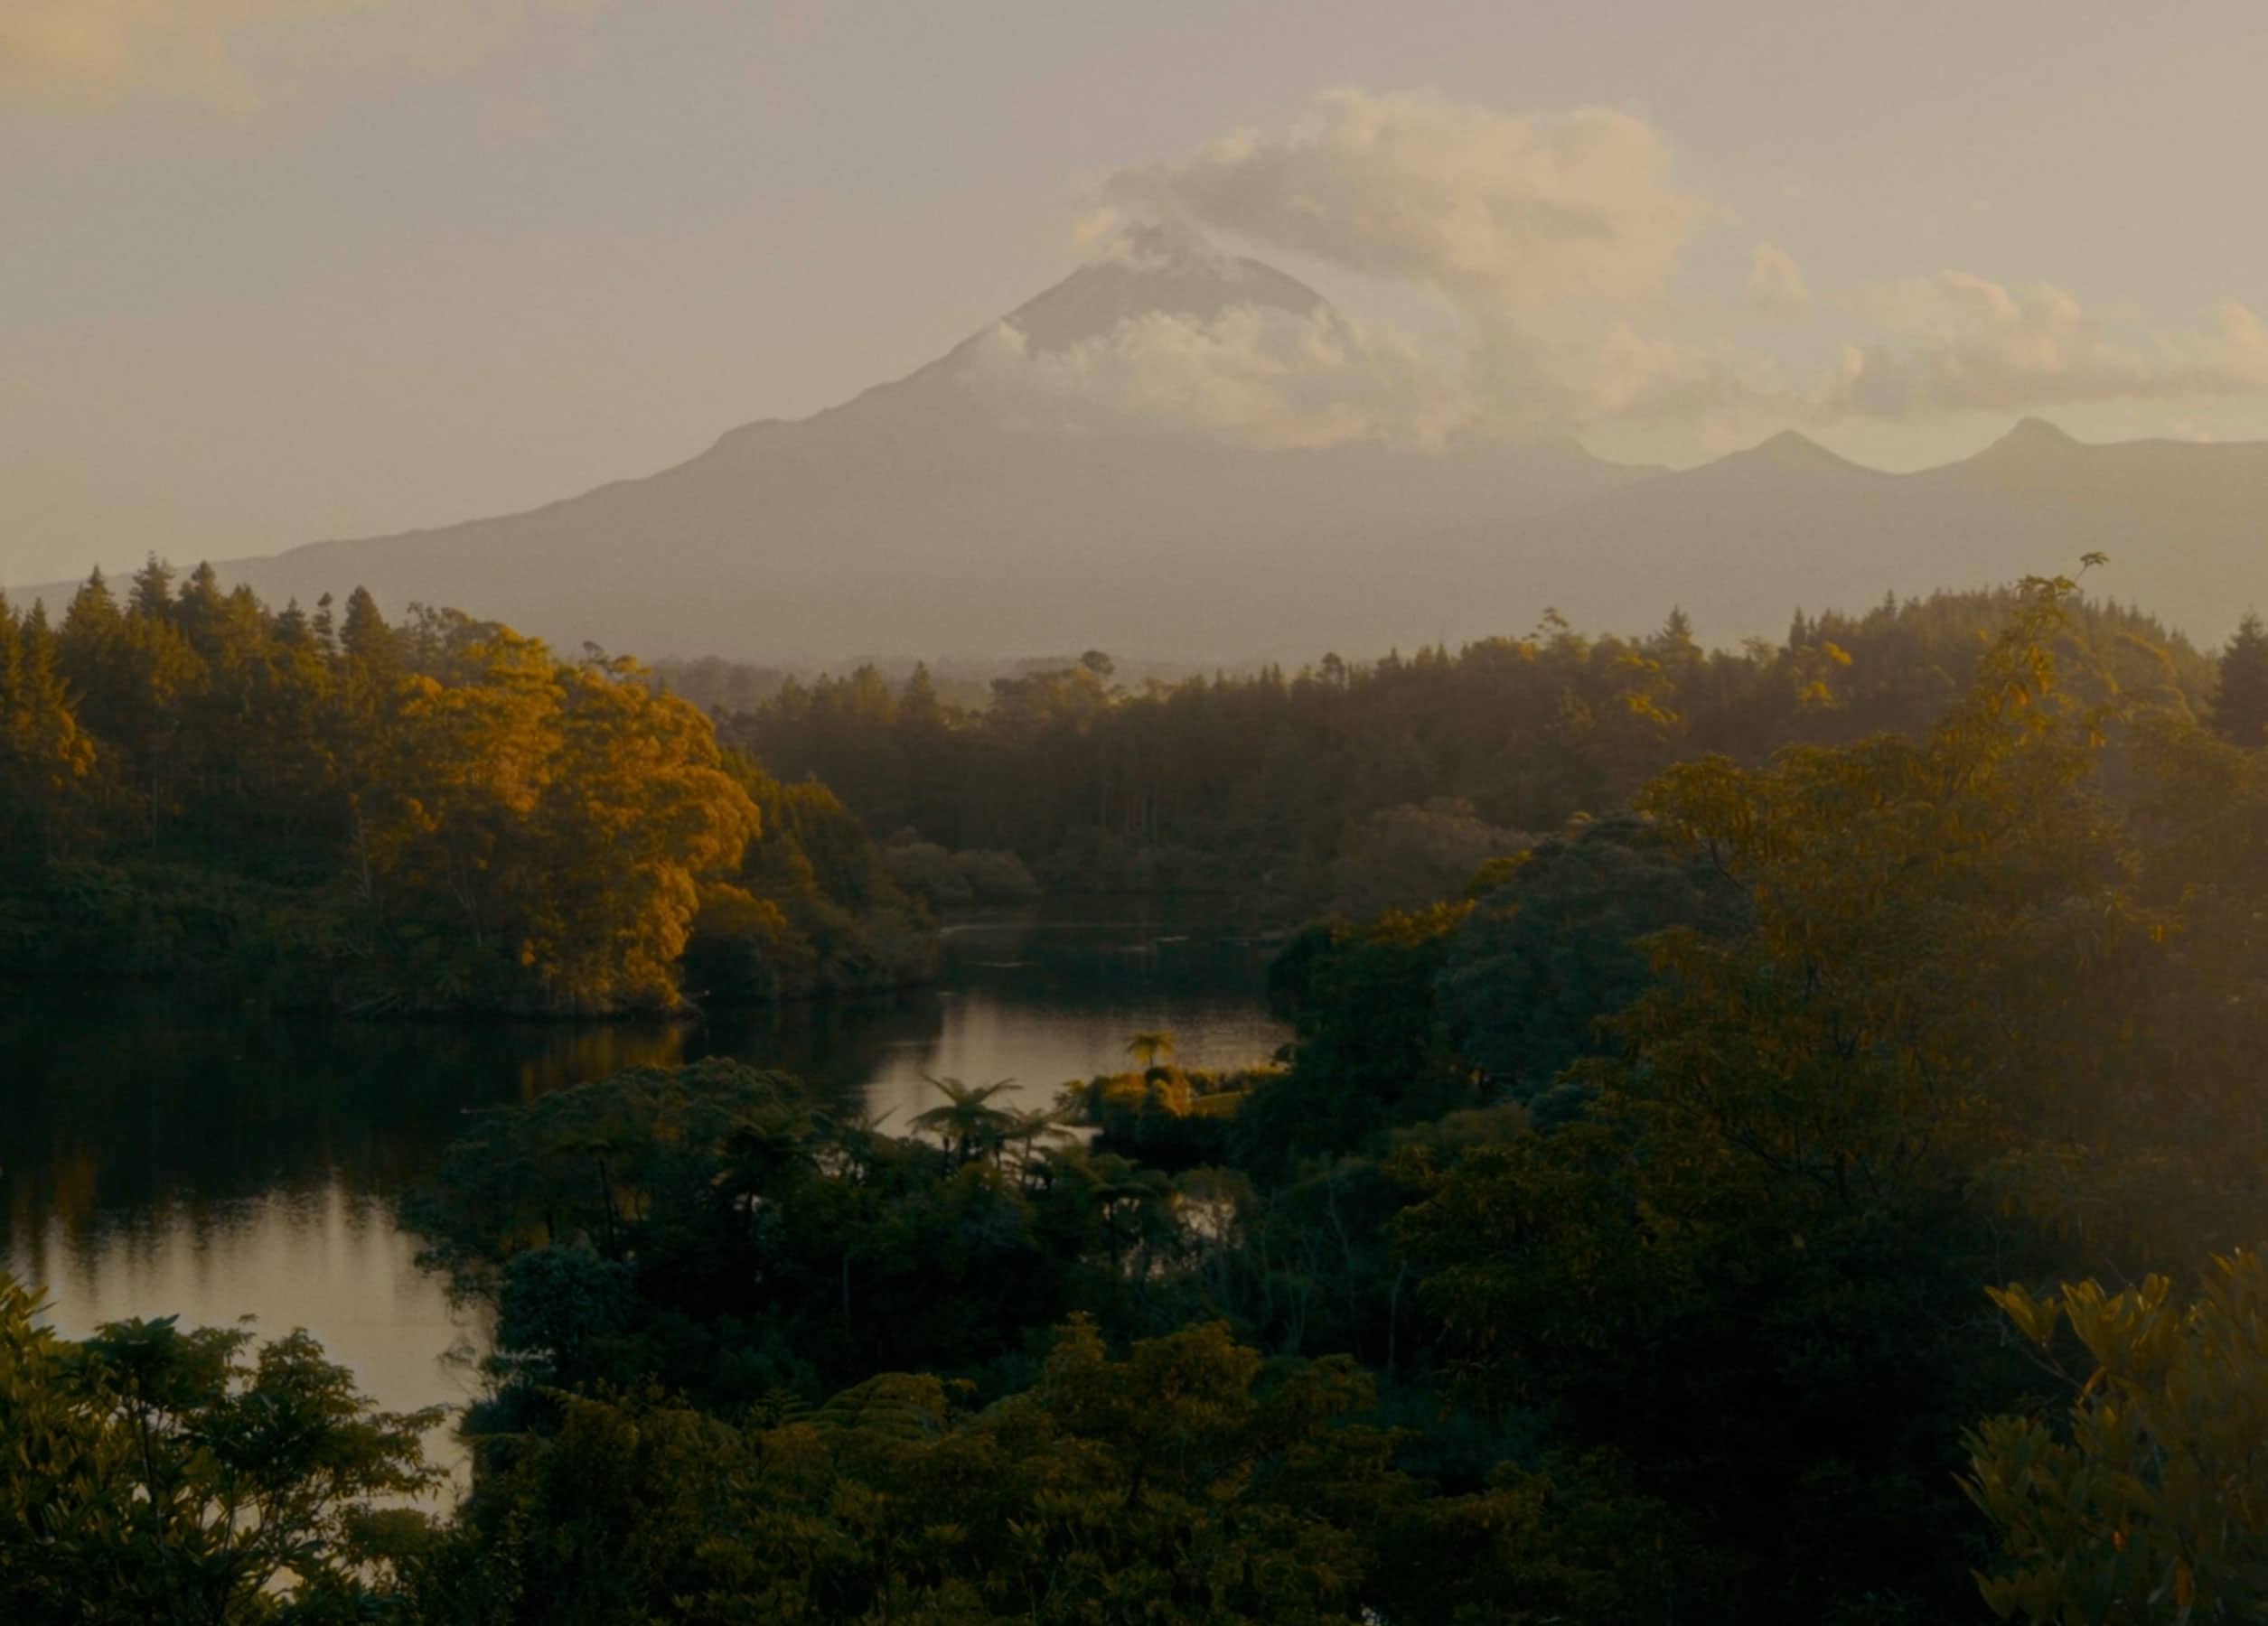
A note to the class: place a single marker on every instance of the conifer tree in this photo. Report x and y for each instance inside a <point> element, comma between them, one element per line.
<point>154,589</point>
<point>291,627</point>
<point>2240,703</point>
<point>92,609</point>
<point>368,640</point>
<point>44,756</point>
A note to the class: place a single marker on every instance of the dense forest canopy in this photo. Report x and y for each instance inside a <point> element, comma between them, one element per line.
<point>1316,790</point>
<point>434,814</point>
<point>1696,1216</point>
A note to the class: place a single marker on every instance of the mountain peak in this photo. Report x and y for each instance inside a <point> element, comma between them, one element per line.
<point>2033,433</point>
<point>1150,271</point>
<point>1789,449</point>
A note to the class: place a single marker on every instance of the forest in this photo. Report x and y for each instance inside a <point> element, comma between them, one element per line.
<point>326,810</point>
<point>1348,787</point>
<point>1801,1164</point>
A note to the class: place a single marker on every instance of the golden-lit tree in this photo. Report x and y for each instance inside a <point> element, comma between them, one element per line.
<point>558,821</point>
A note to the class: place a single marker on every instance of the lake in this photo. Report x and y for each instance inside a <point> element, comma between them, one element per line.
<point>161,1157</point>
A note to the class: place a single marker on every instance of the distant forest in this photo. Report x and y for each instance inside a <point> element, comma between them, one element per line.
<point>1351,787</point>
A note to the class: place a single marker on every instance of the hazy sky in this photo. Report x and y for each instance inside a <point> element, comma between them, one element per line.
<point>279,270</point>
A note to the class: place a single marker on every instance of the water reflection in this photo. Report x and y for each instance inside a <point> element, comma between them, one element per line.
<point>158,1157</point>
<point>325,1259</point>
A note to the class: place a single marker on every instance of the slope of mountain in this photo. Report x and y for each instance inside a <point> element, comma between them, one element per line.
<point>907,519</point>
<point>910,520</point>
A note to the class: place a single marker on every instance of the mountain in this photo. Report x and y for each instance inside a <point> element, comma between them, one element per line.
<point>1741,542</point>
<point>908,520</point>
<point>914,519</point>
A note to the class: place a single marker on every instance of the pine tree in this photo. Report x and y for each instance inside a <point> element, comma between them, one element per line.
<point>368,640</point>
<point>919,706</point>
<point>291,627</point>
<point>154,589</point>
<point>44,754</point>
<point>200,611</point>
<point>2240,701</point>
<point>93,612</point>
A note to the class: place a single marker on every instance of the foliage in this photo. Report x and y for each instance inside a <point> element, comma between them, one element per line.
<point>1550,950</point>
<point>432,816</point>
<point>1371,1051</point>
<point>154,1474</point>
<point>946,880</point>
<point>731,1238</point>
<point>559,821</point>
<point>2146,1505</point>
<point>1170,1117</point>
<point>1185,1481</point>
<point>1409,857</point>
<point>2240,693</point>
<point>1269,785</point>
<point>1815,1133</point>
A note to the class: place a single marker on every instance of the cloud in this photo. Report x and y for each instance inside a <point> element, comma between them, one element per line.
<point>1776,282</point>
<point>1553,239</point>
<point>1482,206</point>
<point>240,54</point>
<point>1956,342</point>
<point>1259,376</point>
<point>1511,218</point>
<point>1633,376</point>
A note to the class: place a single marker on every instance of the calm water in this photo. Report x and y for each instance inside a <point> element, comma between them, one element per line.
<point>157,1158</point>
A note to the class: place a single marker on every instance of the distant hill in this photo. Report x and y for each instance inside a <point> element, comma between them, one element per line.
<point>1788,524</point>
<point>911,521</point>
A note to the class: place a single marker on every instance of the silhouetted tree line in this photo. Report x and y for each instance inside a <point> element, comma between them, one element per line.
<point>440,814</point>
<point>1273,785</point>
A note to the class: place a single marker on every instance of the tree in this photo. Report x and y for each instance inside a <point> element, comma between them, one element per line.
<point>45,757</point>
<point>968,1125</point>
<point>2240,695</point>
<point>1370,1049</point>
<point>1412,857</point>
<point>1814,1135</point>
<point>1551,950</point>
<point>2145,1505</point>
<point>154,589</point>
<point>364,635</point>
<point>1147,1049</point>
<point>556,822</point>
<point>155,1475</point>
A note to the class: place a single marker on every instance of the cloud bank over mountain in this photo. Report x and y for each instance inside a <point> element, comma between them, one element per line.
<point>1482,206</point>
<point>1260,378</point>
<point>1960,342</point>
<point>1556,247</point>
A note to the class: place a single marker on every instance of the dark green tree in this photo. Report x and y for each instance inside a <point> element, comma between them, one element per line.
<point>154,1474</point>
<point>2240,695</point>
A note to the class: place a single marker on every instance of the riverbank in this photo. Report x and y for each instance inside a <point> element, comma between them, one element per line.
<point>172,1153</point>
<point>319,946</point>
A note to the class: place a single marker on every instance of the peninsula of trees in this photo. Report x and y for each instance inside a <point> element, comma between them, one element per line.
<point>325,810</point>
